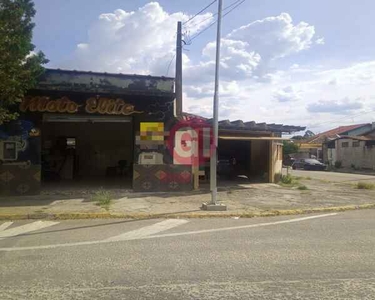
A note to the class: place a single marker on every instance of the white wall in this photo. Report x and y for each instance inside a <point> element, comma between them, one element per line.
<point>361,157</point>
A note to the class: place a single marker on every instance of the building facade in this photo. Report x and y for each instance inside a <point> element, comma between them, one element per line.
<point>355,152</point>
<point>98,128</point>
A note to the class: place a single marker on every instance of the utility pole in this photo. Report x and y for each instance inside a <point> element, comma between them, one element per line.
<point>214,205</point>
<point>179,70</point>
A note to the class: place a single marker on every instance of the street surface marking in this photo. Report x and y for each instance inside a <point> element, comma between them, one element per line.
<point>148,230</point>
<point>239,227</point>
<point>168,234</point>
<point>5,225</point>
<point>26,228</point>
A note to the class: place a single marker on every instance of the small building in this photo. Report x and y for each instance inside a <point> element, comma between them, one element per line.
<point>356,152</point>
<point>314,145</point>
<point>121,130</point>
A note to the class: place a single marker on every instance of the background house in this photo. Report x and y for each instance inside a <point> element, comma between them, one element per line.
<point>314,145</point>
<point>356,152</point>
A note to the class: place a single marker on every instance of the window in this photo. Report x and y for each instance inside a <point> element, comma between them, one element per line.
<point>356,144</point>
<point>345,144</point>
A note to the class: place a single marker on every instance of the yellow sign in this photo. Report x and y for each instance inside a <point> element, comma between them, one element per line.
<point>104,106</point>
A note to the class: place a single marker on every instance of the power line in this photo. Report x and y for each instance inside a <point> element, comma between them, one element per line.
<point>170,63</point>
<point>224,9</point>
<point>209,26</point>
<point>199,12</point>
<point>345,117</point>
<point>234,8</point>
<point>200,32</point>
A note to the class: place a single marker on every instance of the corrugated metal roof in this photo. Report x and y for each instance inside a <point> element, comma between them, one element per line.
<point>247,126</point>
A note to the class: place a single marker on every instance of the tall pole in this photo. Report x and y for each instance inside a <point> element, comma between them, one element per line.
<point>213,161</point>
<point>179,70</point>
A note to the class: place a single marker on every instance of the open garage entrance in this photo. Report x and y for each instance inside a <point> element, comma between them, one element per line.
<point>244,159</point>
<point>87,151</point>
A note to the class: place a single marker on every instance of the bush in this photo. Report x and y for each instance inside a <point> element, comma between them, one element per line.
<point>338,164</point>
<point>365,186</point>
<point>302,187</point>
<point>287,179</point>
<point>102,198</point>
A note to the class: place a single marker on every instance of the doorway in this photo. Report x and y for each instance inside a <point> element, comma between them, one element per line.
<point>87,150</point>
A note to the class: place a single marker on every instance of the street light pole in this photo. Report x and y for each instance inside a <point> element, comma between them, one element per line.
<point>213,161</point>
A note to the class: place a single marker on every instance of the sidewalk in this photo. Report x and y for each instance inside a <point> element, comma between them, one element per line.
<point>244,200</point>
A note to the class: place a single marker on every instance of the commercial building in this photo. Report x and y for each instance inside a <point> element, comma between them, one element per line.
<point>121,129</point>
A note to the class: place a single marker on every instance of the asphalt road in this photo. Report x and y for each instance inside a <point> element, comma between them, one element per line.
<point>334,176</point>
<point>329,256</point>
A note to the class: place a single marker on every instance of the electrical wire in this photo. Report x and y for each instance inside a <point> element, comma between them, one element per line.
<point>209,26</point>
<point>235,4</point>
<point>345,117</point>
<point>170,63</point>
<point>224,9</point>
<point>199,12</point>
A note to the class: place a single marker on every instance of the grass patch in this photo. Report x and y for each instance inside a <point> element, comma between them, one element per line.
<point>102,198</point>
<point>365,186</point>
<point>287,179</point>
<point>302,187</point>
<point>302,178</point>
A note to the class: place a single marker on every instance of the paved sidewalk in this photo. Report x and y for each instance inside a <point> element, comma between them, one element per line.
<point>242,200</point>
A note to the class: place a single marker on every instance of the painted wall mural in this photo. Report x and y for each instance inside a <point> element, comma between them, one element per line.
<point>162,178</point>
<point>20,163</point>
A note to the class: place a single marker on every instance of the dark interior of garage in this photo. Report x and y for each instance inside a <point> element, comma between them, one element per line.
<point>87,151</point>
<point>243,158</point>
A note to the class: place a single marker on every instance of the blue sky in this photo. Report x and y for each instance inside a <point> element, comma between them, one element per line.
<point>302,62</point>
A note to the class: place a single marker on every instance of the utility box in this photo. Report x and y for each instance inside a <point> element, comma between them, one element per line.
<point>8,151</point>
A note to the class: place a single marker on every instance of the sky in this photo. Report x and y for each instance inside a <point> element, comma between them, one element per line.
<point>307,63</point>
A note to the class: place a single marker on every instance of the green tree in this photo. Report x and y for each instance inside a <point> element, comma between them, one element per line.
<point>19,65</point>
<point>289,148</point>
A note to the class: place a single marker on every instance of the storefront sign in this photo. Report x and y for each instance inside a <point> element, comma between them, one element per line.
<point>108,106</point>
<point>45,104</point>
<point>104,106</point>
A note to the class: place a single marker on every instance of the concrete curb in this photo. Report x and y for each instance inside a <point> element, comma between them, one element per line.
<point>195,214</point>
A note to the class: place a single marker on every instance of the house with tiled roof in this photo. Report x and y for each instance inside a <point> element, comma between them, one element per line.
<point>314,145</point>
<point>355,152</point>
<point>350,130</point>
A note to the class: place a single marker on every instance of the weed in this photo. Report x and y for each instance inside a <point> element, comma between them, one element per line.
<point>302,187</point>
<point>287,179</point>
<point>102,198</point>
<point>338,164</point>
<point>365,186</point>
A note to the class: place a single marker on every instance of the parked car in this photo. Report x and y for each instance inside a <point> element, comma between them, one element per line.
<point>308,164</point>
<point>226,167</point>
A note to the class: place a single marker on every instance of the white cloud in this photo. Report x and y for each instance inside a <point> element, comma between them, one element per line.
<point>320,41</point>
<point>287,94</point>
<point>275,37</point>
<point>247,51</point>
<point>343,106</point>
<point>141,41</point>
<point>237,60</point>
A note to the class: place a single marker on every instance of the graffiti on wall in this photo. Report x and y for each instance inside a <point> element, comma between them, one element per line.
<point>16,140</point>
<point>98,105</point>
